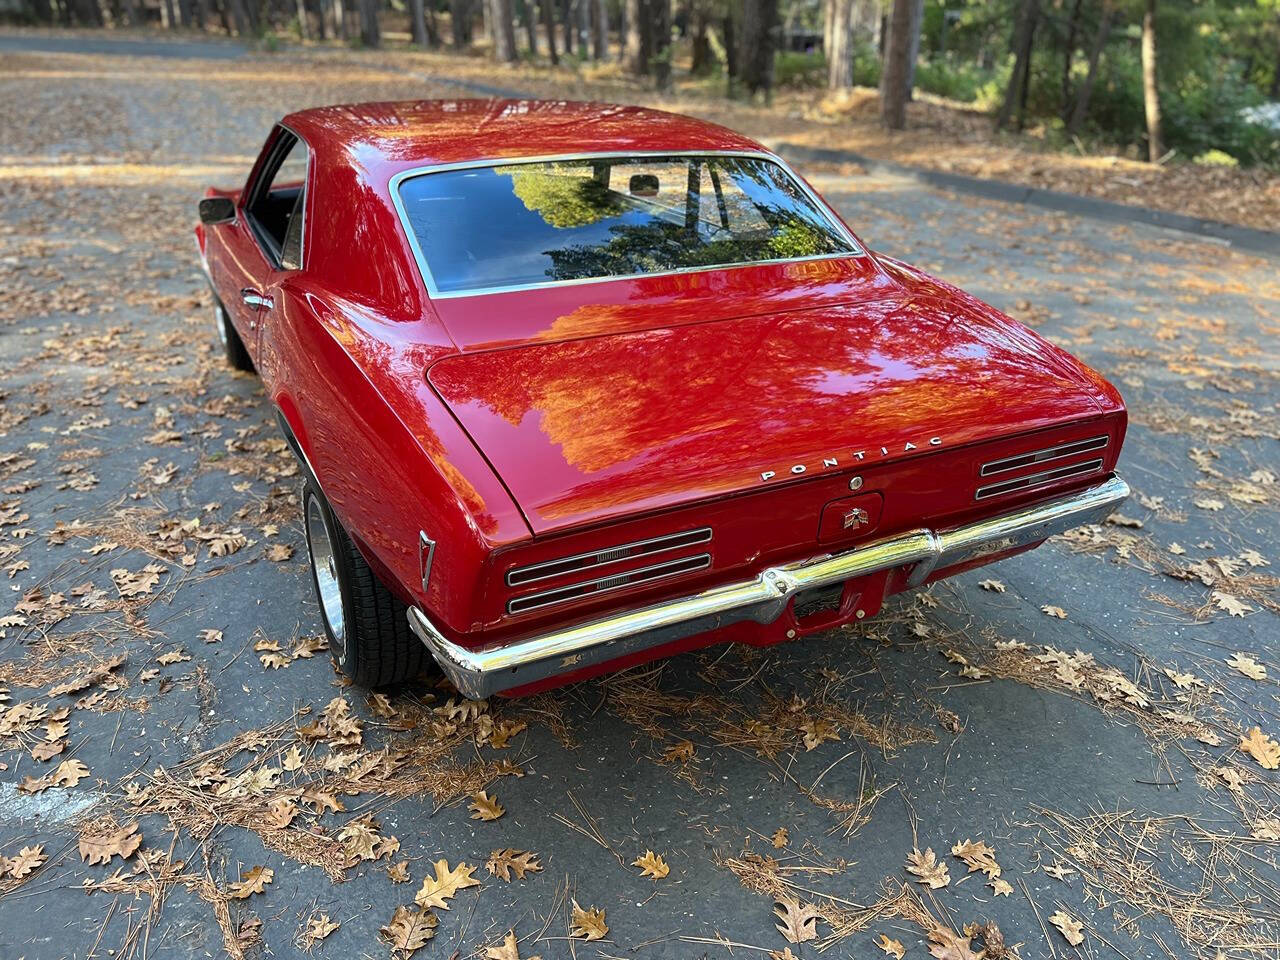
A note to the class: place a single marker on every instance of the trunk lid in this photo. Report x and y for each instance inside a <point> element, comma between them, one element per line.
<point>589,430</point>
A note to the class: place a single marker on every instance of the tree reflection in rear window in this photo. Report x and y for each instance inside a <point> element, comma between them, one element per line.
<point>518,224</point>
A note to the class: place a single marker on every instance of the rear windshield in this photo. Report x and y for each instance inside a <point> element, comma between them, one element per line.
<point>509,225</point>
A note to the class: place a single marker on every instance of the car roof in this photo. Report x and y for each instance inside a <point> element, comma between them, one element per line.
<point>414,133</point>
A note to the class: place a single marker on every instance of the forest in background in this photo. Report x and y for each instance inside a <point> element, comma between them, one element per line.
<point>1167,81</point>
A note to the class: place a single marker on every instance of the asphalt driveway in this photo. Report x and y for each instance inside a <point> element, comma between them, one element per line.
<point>1079,710</point>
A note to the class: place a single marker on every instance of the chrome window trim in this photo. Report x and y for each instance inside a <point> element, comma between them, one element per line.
<point>657,571</point>
<point>698,531</point>
<point>250,194</point>
<point>436,294</point>
<point>1100,442</point>
<point>1033,480</point>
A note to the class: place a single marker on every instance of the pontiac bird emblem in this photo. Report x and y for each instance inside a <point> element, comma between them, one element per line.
<point>855,518</point>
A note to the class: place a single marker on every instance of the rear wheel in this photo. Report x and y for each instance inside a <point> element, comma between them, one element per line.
<point>367,626</point>
<point>232,345</point>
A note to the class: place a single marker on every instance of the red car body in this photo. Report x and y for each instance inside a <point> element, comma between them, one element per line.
<point>763,404</point>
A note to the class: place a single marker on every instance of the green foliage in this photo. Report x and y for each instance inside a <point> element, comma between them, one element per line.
<point>792,70</point>
<point>955,79</point>
<point>1201,116</point>
<point>270,42</point>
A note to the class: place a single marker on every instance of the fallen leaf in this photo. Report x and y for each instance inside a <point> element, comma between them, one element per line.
<point>444,886</point>
<point>485,807</point>
<point>587,924</point>
<point>409,930</point>
<point>317,929</point>
<point>1069,927</point>
<point>651,865</point>
<point>502,863</point>
<point>977,856</point>
<point>927,869</point>
<point>1234,606</point>
<point>27,860</point>
<point>946,944</point>
<point>680,752</point>
<point>1000,887</point>
<point>1054,611</point>
<point>399,872</point>
<point>279,552</point>
<point>1250,667</point>
<point>99,847</point>
<point>254,880</point>
<point>816,731</point>
<point>892,947</point>
<point>780,838</point>
<point>507,950</point>
<point>1262,748</point>
<point>995,586</point>
<point>211,636</point>
<point>177,655</point>
<point>799,921</point>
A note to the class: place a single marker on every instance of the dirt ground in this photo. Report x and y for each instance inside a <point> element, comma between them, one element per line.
<point>1070,754</point>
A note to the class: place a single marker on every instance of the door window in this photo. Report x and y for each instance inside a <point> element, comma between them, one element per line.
<point>276,205</point>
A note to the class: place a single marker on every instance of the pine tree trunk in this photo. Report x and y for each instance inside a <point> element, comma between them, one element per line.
<point>370,35</point>
<point>549,25</point>
<point>566,26</point>
<point>917,22</point>
<point>759,43</point>
<point>531,26</point>
<point>1023,35</point>
<point>418,22</point>
<point>730,52</point>
<point>635,57</point>
<point>839,48</point>
<point>1150,88</point>
<point>660,12</point>
<point>503,28</point>
<point>700,45</point>
<point>460,14</point>
<point>893,79</point>
<point>1081,109</point>
<point>1068,58</point>
<point>600,29</point>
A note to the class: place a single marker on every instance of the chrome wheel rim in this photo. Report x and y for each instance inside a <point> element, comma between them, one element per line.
<point>325,567</point>
<point>220,319</point>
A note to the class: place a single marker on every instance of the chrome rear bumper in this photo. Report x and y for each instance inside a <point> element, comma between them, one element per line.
<point>480,672</point>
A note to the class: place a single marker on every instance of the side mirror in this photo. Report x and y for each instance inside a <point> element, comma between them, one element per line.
<point>644,185</point>
<point>217,210</point>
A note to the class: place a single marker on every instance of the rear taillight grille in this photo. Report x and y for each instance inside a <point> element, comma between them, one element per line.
<point>1036,457</point>
<point>616,581</point>
<point>1033,480</point>
<point>535,572</point>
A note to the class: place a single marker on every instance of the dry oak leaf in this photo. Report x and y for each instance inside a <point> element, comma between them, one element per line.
<point>1000,887</point>
<point>1234,606</point>
<point>816,731</point>
<point>409,930</point>
<point>254,880</point>
<point>317,929</point>
<point>28,859</point>
<point>680,752</point>
<point>502,863</point>
<point>485,807</point>
<point>977,856</point>
<point>587,924</point>
<point>780,838</point>
<point>279,552</point>
<point>177,655</point>
<point>927,869</point>
<point>102,846</point>
<point>1069,927</point>
<point>508,949</point>
<point>399,872</point>
<point>1054,611</point>
<point>358,839</point>
<point>946,944</point>
<point>1250,667</point>
<point>996,587</point>
<point>68,774</point>
<point>293,759</point>
<point>437,890</point>
<point>799,920</point>
<point>651,865</point>
<point>211,636</point>
<point>892,947</point>
<point>1262,748</point>
<point>783,954</point>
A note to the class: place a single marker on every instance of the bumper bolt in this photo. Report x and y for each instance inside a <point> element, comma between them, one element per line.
<point>860,614</point>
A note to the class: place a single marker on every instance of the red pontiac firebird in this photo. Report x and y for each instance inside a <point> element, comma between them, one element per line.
<point>576,385</point>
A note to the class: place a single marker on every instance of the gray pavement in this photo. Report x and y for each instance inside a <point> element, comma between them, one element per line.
<point>119,423</point>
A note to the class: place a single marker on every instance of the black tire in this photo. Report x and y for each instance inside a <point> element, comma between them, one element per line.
<point>232,345</point>
<point>373,644</point>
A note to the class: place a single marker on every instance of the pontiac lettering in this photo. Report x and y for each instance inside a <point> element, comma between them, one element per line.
<point>859,456</point>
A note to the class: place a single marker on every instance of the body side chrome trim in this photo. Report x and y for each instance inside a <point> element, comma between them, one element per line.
<point>484,671</point>
<point>436,294</point>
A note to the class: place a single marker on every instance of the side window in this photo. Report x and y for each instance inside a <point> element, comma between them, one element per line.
<point>275,210</point>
